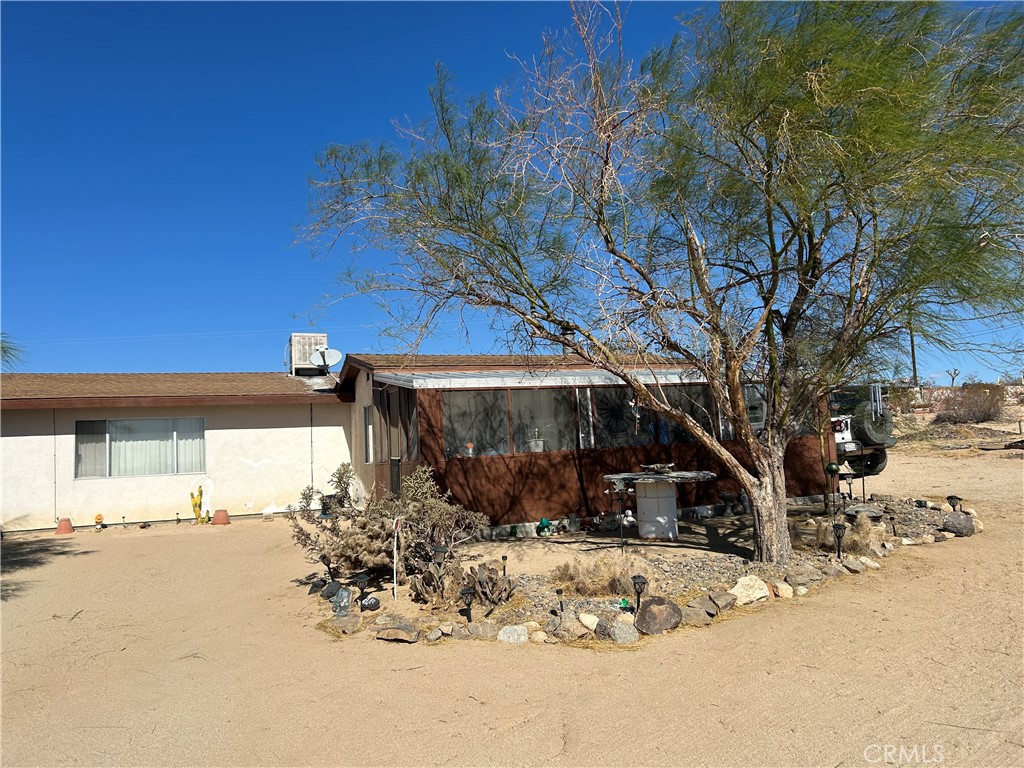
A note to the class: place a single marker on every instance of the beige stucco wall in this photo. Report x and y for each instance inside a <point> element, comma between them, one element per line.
<point>257,457</point>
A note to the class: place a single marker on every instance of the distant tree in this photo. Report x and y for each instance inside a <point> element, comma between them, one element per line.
<point>11,353</point>
<point>767,198</point>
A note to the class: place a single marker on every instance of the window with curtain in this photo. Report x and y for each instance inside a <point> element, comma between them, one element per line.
<point>543,420</point>
<point>476,423</point>
<point>133,447</point>
<point>694,399</point>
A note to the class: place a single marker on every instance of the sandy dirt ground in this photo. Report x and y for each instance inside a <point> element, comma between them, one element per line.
<point>191,646</point>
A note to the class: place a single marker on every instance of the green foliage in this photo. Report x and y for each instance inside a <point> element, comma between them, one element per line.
<point>777,196</point>
<point>11,353</point>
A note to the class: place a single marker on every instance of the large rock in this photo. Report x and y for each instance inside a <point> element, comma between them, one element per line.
<point>704,603</point>
<point>694,617</point>
<point>538,636</point>
<point>459,632</point>
<point>832,570</point>
<point>623,633</point>
<point>589,621</point>
<point>959,523</point>
<point>657,615</point>
<point>782,589</point>
<point>750,589</point>
<point>400,633</point>
<point>483,630</point>
<point>434,635</point>
<point>869,563</point>
<point>873,512</point>
<point>724,600</point>
<point>801,575</point>
<point>602,630</point>
<point>516,634</point>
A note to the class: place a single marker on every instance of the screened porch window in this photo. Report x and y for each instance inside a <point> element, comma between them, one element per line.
<point>476,423</point>
<point>133,447</point>
<point>543,420</point>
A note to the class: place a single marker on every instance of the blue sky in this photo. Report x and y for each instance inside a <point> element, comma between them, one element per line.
<point>155,158</point>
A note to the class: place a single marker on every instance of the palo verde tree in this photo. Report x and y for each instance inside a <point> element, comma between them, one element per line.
<point>768,198</point>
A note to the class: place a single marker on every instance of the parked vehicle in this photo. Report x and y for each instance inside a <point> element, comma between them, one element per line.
<point>862,427</point>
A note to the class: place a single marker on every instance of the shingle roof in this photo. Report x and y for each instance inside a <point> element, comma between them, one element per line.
<point>28,390</point>
<point>483,362</point>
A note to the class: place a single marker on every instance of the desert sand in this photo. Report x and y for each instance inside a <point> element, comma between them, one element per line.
<point>192,646</point>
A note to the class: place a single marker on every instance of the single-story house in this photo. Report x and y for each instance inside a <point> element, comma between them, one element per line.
<point>513,437</point>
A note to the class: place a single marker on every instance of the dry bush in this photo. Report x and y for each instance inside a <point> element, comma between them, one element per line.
<point>972,405</point>
<point>366,540</point>
<point>856,541</point>
<point>603,576</point>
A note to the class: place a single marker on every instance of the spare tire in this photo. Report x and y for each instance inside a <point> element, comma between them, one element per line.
<point>872,431</point>
<point>868,464</point>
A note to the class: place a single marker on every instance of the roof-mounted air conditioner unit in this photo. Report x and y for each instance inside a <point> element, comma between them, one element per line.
<point>300,349</point>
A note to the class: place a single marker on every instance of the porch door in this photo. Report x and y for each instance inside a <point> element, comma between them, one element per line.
<point>394,419</point>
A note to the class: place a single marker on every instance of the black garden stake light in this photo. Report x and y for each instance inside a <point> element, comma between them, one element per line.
<point>831,469</point>
<point>504,563</point>
<point>326,560</point>
<point>467,594</point>
<point>440,553</point>
<point>954,502</point>
<point>361,581</point>
<point>561,603</point>
<point>839,530</point>
<point>639,585</point>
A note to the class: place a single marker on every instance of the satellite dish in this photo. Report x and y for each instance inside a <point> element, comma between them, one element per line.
<point>324,357</point>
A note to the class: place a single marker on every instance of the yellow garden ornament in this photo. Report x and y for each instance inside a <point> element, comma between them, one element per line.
<point>197,507</point>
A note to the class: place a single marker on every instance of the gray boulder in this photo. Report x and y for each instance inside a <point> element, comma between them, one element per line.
<point>724,600</point>
<point>959,523</point>
<point>704,603</point>
<point>657,615</point>
<point>694,617</point>
<point>483,630</point>
<point>853,566</point>
<point>802,575</point>
<point>434,635</point>
<point>459,632</point>
<point>603,630</point>
<point>515,634</point>
<point>623,633</point>
<point>400,633</point>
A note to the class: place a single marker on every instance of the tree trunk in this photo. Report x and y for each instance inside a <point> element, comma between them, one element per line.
<point>768,502</point>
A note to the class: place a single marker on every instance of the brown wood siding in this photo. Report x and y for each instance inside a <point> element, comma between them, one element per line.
<point>525,487</point>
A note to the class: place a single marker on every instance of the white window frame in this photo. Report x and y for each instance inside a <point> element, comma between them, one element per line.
<point>174,448</point>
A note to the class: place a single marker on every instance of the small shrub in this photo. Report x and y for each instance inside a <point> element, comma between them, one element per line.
<point>603,576</point>
<point>972,405</point>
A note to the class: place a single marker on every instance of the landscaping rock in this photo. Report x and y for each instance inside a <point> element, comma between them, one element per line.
<point>853,566</point>
<point>602,629</point>
<point>483,630</point>
<point>330,589</point>
<point>386,619</point>
<point>926,539</point>
<point>907,542</point>
<point>802,575</point>
<point>867,562</point>
<point>532,626</point>
<point>516,634</point>
<point>800,591</point>
<point>347,624</point>
<point>589,621</point>
<point>434,635</point>
<point>878,550</point>
<point>657,615</point>
<point>316,585</point>
<point>446,629</point>
<point>552,624</point>
<point>959,523</point>
<point>873,512</point>
<point>782,589</point>
<point>694,617</point>
<point>704,603</point>
<point>750,589</point>
<point>832,571</point>
<point>539,636</point>
<point>459,632</point>
<point>978,525</point>
<point>724,600</point>
<point>623,633</point>
<point>400,633</point>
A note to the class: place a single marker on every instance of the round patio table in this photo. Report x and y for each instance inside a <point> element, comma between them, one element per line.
<point>656,499</point>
